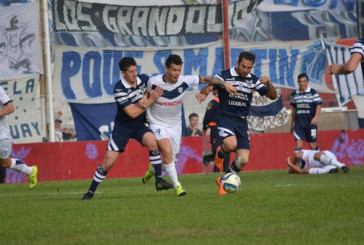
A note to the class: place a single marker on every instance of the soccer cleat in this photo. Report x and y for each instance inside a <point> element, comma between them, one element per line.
<point>345,169</point>
<point>218,162</point>
<point>333,171</point>
<point>87,197</point>
<point>179,191</point>
<point>32,178</point>
<point>163,185</point>
<point>148,174</point>
<point>221,190</point>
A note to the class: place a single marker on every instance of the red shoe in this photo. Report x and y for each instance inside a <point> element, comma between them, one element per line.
<point>218,162</point>
<point>221,190</point>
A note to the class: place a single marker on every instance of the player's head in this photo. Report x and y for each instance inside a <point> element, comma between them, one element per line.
<point>128,69</point>
<point>245,63</point>
<point>173,67</point>
<point>302,82</point>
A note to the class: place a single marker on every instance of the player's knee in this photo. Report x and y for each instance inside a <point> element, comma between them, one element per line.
<point>241,160</point>
<point>324,159</point>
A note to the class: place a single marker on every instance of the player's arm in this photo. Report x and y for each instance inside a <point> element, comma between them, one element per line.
<point>272,92</point>
<point>294,167</point>
<point>135,110</point>
<point>8,109</point>
<point>348,67</point>
<point>317,114</point>
<point>293,115</point>
<point>217,82</point>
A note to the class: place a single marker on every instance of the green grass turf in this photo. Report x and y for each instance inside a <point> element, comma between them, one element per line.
<point>272,207</point>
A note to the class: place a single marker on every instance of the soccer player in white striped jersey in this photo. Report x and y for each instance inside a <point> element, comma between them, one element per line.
<point>6,108</point>
<point>315,162</point>
<point>356,56</point>
<point>164,115</point>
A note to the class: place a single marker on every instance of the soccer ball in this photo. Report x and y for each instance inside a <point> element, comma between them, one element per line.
<point>230,182</point>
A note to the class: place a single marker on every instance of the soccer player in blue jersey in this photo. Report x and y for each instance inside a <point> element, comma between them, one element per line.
<point>356,56</point>
<point>306,108</point>
<point>233,110</point>
<point>130,122</point>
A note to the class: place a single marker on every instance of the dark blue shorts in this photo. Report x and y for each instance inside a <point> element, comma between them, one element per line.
<point>239,128</point>
<point>308,133</point>
<point>121,135</point>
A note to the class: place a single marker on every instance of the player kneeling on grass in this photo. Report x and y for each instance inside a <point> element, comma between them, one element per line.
<point>7,107</point>
<point>315,162</point>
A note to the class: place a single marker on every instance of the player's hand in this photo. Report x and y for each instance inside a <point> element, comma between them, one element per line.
<point>142,103</point>
<point>334,69</point>
<point>265,80</point>
<point>230,88</point>
<point>156,93</point>
<point>200,97</point>
<point>313,121</point>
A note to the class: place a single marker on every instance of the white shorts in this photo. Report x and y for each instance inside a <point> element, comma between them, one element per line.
<point>173,133</point>
<point>5,146</point>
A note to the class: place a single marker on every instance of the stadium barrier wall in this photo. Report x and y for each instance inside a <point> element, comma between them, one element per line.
<point>78,160</point>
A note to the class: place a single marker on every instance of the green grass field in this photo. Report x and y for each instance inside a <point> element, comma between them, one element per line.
<point>271,208</point>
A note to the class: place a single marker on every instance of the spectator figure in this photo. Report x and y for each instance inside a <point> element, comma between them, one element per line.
<point>192,129</point>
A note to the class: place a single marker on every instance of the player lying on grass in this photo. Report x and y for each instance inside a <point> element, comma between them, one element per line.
<point>315,162</point>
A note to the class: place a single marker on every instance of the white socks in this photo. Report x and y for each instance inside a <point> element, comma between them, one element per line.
<point>172,173</point>
<point>20,166</point>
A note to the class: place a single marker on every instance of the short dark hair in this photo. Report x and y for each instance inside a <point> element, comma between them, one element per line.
<point>126,62</point>
<point>192,115</point>
<point>173,59</point>
<point>302,75</point>
<point>246,55</point>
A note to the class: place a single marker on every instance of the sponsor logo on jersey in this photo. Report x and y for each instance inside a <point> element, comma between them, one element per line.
<point>170,103</point>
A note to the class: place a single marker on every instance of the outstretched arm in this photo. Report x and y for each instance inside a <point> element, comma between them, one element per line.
<point>348,67</point>
<point>215,81</point>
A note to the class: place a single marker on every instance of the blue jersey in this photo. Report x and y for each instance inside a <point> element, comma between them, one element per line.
<point>126,95</point>
<point>358,47</point>
<point>238,106</point>
<point>305,104</point>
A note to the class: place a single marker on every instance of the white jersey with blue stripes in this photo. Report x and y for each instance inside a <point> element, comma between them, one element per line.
<point>167,110</point>
<point>4,126</point>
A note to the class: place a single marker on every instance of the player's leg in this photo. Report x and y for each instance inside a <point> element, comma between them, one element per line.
<point>328,158</point>
<point>149,140</point>
<point>175,141</point>
<point>311,137</point>
<point>100,173</point>
<point>324,170</point>
<point>16,164</point>
<point>229,143</point>
<point>299,135</point>
<point>118,139</point>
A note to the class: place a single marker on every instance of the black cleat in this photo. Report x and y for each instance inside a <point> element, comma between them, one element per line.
<point>163,185</point>
<point>345,169</point>
<point>86,197</point>
<point>334,171</point>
